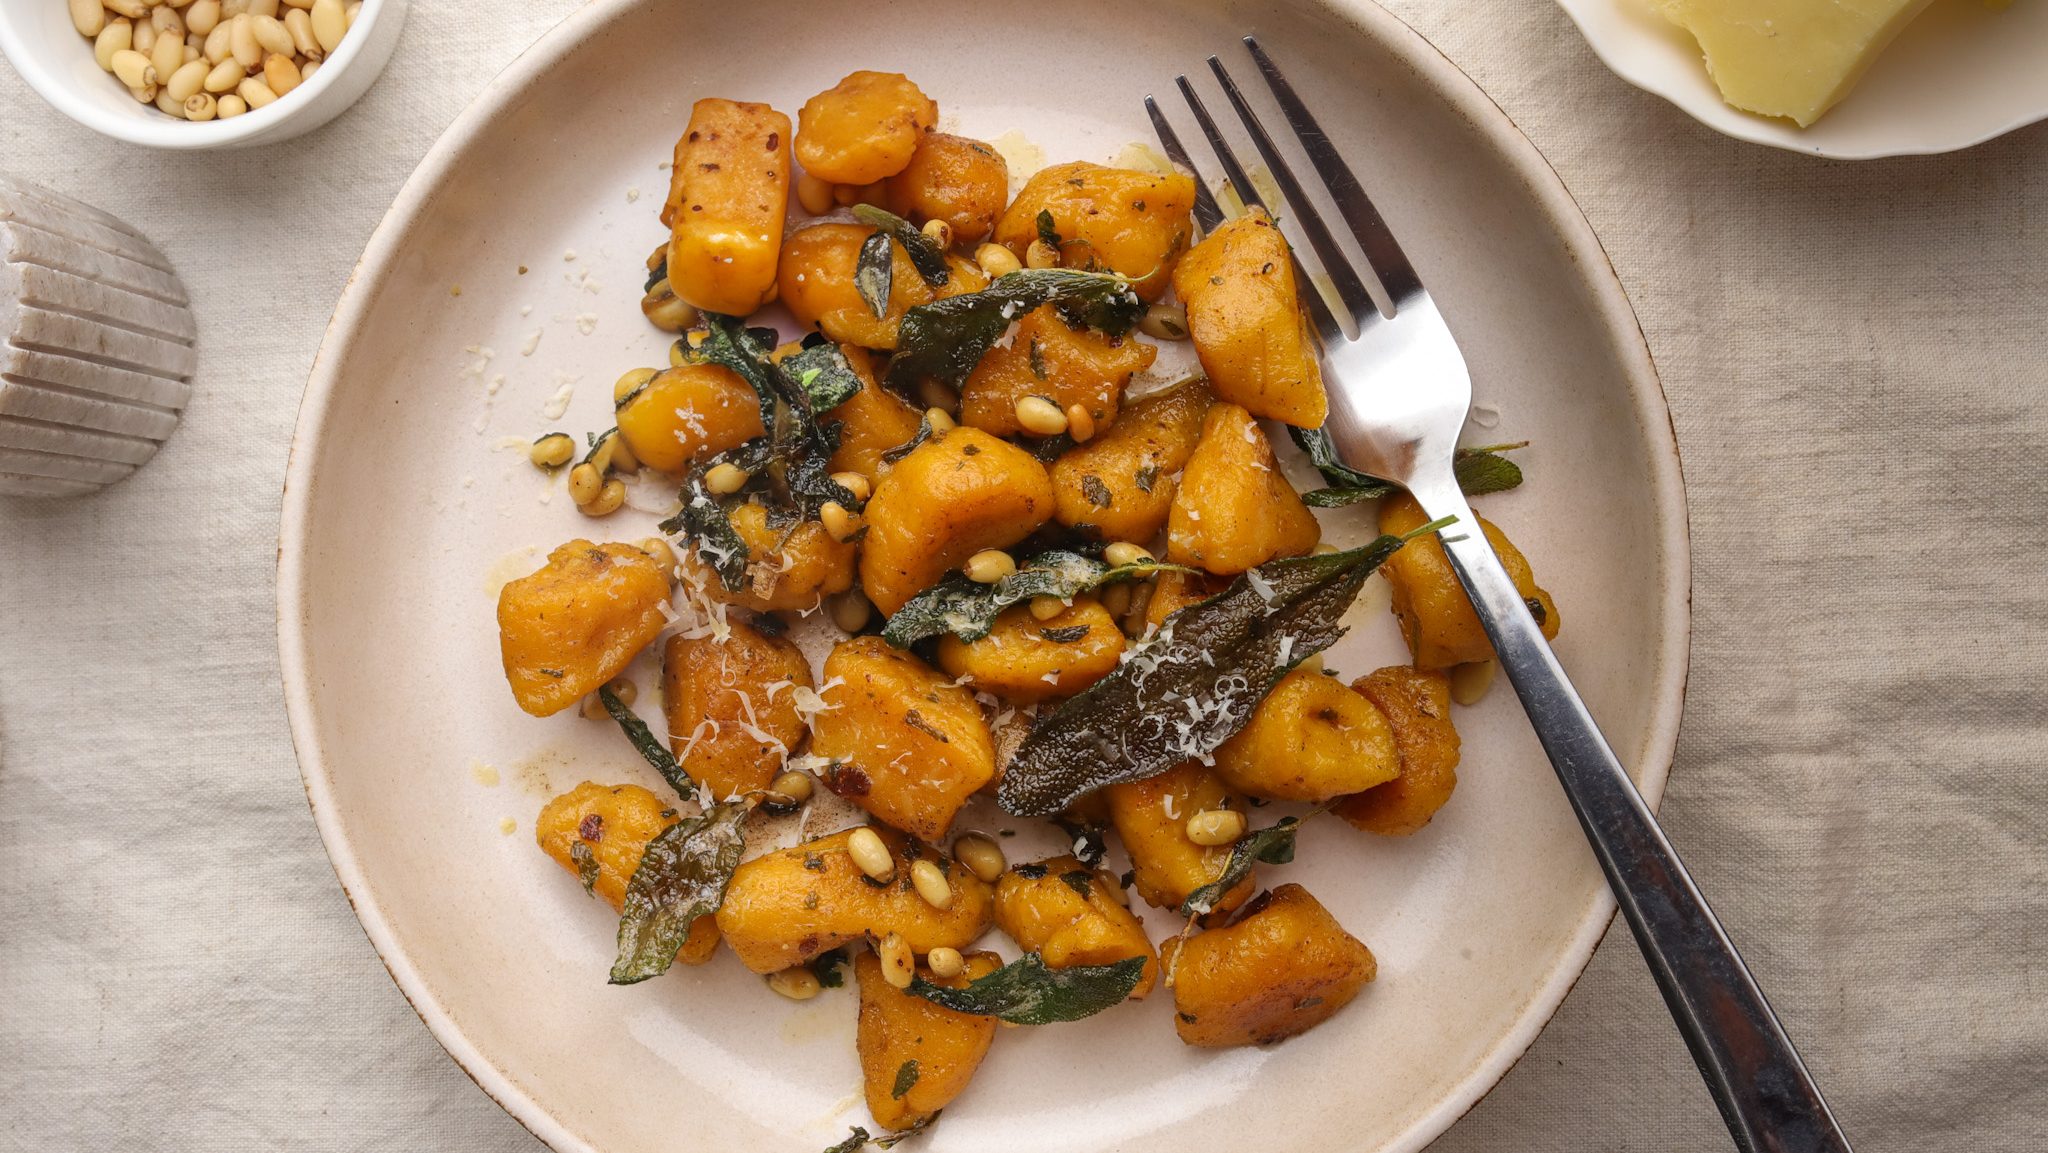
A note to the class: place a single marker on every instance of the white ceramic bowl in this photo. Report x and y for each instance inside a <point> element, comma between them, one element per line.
<point>39,40</point>
<point>401,508</point>
<point>1959,75</point>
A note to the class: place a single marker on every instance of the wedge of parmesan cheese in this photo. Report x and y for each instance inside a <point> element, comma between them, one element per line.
<point>1790,58</point>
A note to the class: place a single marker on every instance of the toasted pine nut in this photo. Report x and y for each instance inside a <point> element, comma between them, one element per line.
<point>665,310</point>
<point>1123,552</point>
<point>939,232</point>
<point>1216,827</point>
<point>1117,598</point>
<point>1323,549</point>
<point>625,690</point>
<point>1044,608</point>
<point>88,16</point>
<point>280,73</point>
<point>201,17</point>
<point>838,521</point>
<point>186,80</point>
<point>134,69</point>
<point>945,962</point>
<point>794,786</point>
<point>941,420</point>
<point>989,566</point>
<point>1080,424</point>
<point>609,498</point>
<point>930,882</point>
<point>243,46</point>
<point>814,194</point>
<point>898,964</point>
<point>585,482</point>
<point>231,106</point>
<point>224,77</point>
<point>663,554</point>
<point>117,36</point>
<point>846,194</point>
<point>937,394</point>
<point>1041,255</point>
<point>330,23</point>
<point>995,260</point>
<point>796,983</point>
<point>982,856</point>
<point>854,483</point>
<point>256,92</point>
<point>1470,681</point>
<point>865,846</point>
<point>552,450</point>
<point>1165,322</point>
<point>200,106</point>
<point>851,610</point>
<point>1040,417</point>
<point>724,479</point>
<point>630,382</point>
<point>273,37</point>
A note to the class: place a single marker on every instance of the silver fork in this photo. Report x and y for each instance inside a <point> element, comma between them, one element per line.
<point>1399,392</point>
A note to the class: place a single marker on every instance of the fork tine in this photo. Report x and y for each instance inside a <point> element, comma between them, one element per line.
<point>1349,288</point>
<point>1326,323</point>
<point>1396,275</point>
<point>1207,214</point>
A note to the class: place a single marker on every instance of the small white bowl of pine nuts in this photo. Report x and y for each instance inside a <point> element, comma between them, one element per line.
<point>195,74</point>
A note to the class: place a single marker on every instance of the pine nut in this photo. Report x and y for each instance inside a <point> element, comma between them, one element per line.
<point>854,483</point>
<point>989,566</point>
<point>938,232</point>
<point>663,555</point>
<point>272,36</point>
<point>280,74</point>
<point>623,459</point>
<point>195,48</point>
<point>1134,616</point>
<point>168,55</point>
<point>631,382</point>
<point>725,479</point>
<point>995,260</point>
<point>850,611</point>
<point>143,39</point>
<point>665,310</point>
<point>931,884</point>
<point>625,690</point>
<point>937,394</point>
<point>167,22</point>
<point>839,522</point>
<point>1216,827</point>
<point>814,194</point>
<point>243,46</point>
<point>330,23</point>
<point>200,107</point>
<point>144,95</point>
<point>131,9</point>
<point>793,786</point>
<point>263,8</point>
<point>297,5</point>
<point>1123,552</point>
<point>1470,681</point>
<point>1116,599</point>
<point>1164,322</point>
<point>1080,424</point>
<point>982,856</point>
<point>1324,549</point>
<point>299,26</point>
<point>134,69</point>
<point>1041,255</point>
<point>224,77</point>
<point>796,983</point>
<point>898,964</point>
<point>609,499</point>
<point>945,962</point>
<point>1044,608</point>
<point>1040,417</point>
<point>552,450</point>
<point>306,73</point>
<point>585,482</point>
<point>88,16</point>
<point>256,92</point>
<point>229,9</point>
<point>865,846</point>
<point>941,420</point>
<point>117,36</point>
<point>231,106</point>
<point>201,17</point>
<point>350,13</point>
<point>220,42</point>
<point>168,106</point>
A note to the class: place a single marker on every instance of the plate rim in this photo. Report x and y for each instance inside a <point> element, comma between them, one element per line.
<point>1643,384</point>
<point>1748,127</point>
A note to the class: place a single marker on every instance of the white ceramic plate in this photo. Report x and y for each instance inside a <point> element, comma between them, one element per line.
<point>1959,75</point>
<point>401,510</point>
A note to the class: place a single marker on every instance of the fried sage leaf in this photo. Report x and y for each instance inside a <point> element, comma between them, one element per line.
<point>681,877</point>
<point>1027,992</point>
<point>1480,470</point>
<point>821,371</point>
<point>874,273</point>
<point>860,1138</point>
<point>906,1079</point>
<point>649,745</point>
<point>945,339</point>
<point>1273,845</point>
<point>925,254</point>
<point>968,610</point>
<point>1191,685</point>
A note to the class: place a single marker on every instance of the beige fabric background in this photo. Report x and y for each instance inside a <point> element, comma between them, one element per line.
<point>1855,361</point>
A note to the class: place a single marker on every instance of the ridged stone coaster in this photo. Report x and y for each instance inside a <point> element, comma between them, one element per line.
<point>98,355</point>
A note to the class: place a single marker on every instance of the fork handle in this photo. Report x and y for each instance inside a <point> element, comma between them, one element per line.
<point>1766,1096</point>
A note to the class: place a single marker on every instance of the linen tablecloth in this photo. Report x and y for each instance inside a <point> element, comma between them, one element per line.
<point>1855,360</point>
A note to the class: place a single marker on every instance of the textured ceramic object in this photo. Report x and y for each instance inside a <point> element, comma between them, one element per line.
<point>1963,72</point>
<point>96,345</point>
<point>409,498</point>
<point>47,50</point>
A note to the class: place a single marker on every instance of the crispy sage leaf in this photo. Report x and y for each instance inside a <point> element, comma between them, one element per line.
<point>945,339</point>
<point>968,610</point>
<point>681,877</point>
<point>874,273</point>
<point>1273,845</point>
<point>587,868</point>
<point>1047,230</point>
<point>906,1079</point>
<point>860,1138</point>
<point>1027,992</point>
<point>647,743</point>
<point>1191,685</point>
<point>1480,470</point>
<point>823,374</point>
<point>925,254</point>
<point>924,433</point>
